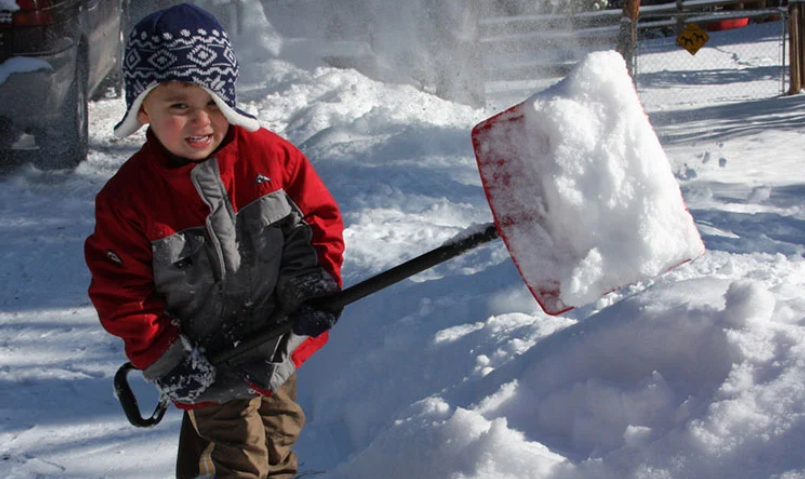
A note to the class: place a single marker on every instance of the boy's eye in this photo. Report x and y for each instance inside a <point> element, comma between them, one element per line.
<point>179,106</point>
<point>212,104</point>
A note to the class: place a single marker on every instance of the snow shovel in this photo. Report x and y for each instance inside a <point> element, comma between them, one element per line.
<point>581,190</point>
<point>571,233</point>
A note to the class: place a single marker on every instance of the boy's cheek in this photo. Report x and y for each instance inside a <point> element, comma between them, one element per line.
<point>170,127</point>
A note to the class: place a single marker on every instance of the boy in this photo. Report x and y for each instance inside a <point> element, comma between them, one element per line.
<point>210,227</point>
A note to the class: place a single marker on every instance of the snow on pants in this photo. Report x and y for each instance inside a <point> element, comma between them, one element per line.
<point>242,439</point>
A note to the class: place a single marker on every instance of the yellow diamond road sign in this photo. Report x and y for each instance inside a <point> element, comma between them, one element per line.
<point>692,38</point>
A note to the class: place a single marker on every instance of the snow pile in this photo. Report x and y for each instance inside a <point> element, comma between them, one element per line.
<point>447,442</point>
<point>697,377</point>
<point>582,189</point>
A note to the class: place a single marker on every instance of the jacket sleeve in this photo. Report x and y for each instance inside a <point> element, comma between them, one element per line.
<point>122,288</point>
<point>314,244</point>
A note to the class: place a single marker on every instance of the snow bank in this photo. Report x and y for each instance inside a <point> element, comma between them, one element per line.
<point>435,440</point>
<point>693,377</point>
<point>581,187</point>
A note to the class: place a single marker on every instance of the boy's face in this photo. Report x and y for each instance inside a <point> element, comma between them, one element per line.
<point>185,119</point>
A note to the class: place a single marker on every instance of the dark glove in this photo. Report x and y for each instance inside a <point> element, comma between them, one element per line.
<point>189,379</point>
<point>295,291</point>
<point>309,321</point>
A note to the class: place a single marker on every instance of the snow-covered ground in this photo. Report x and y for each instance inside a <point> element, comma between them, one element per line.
<point>457,373</point>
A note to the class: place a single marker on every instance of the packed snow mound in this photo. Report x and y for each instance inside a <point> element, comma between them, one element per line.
<point>695,376</point>
<point>453,443</point>
<point>581,187</point>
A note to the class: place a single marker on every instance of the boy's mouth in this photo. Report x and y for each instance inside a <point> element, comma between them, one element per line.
<point>199,141</point>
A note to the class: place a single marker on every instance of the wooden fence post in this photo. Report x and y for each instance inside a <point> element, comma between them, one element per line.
<point>627,36</point>
<point>796,63</point>
<point>801,47</point>
<point>680,18</point>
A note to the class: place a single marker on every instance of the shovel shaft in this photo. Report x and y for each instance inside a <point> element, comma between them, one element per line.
<point>363,289</point>
<point>337,301</point>
<point>409,268</point>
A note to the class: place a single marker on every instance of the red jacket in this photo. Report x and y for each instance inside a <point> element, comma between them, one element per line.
<point>209,250</point>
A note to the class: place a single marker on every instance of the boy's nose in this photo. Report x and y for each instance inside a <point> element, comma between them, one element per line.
<point>201,117</point>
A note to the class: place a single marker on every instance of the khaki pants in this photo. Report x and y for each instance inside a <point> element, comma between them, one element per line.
<point>242,439</point>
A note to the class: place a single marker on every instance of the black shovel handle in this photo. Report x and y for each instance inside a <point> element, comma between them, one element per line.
<point>336,301</point>
<point>125,395</point>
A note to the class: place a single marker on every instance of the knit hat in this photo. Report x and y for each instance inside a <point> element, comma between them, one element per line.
<point>182,43</point>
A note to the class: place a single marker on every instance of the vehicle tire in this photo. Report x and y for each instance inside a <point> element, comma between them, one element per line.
<point>69,143</point>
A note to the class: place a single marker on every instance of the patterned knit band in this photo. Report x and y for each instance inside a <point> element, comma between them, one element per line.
<point>183,43</point>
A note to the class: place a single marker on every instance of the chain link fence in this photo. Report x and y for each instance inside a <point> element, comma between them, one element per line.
<point>744,56</point>
<point>731,65</point>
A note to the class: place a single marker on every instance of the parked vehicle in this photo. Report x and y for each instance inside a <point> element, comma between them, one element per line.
<point>54,56</point>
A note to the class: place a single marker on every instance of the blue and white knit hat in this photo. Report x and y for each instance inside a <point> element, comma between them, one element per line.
<point>181,43</point>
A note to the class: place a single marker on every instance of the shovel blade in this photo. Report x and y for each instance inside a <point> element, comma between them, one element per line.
<point>580,188</point>
<point>503,149</point>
